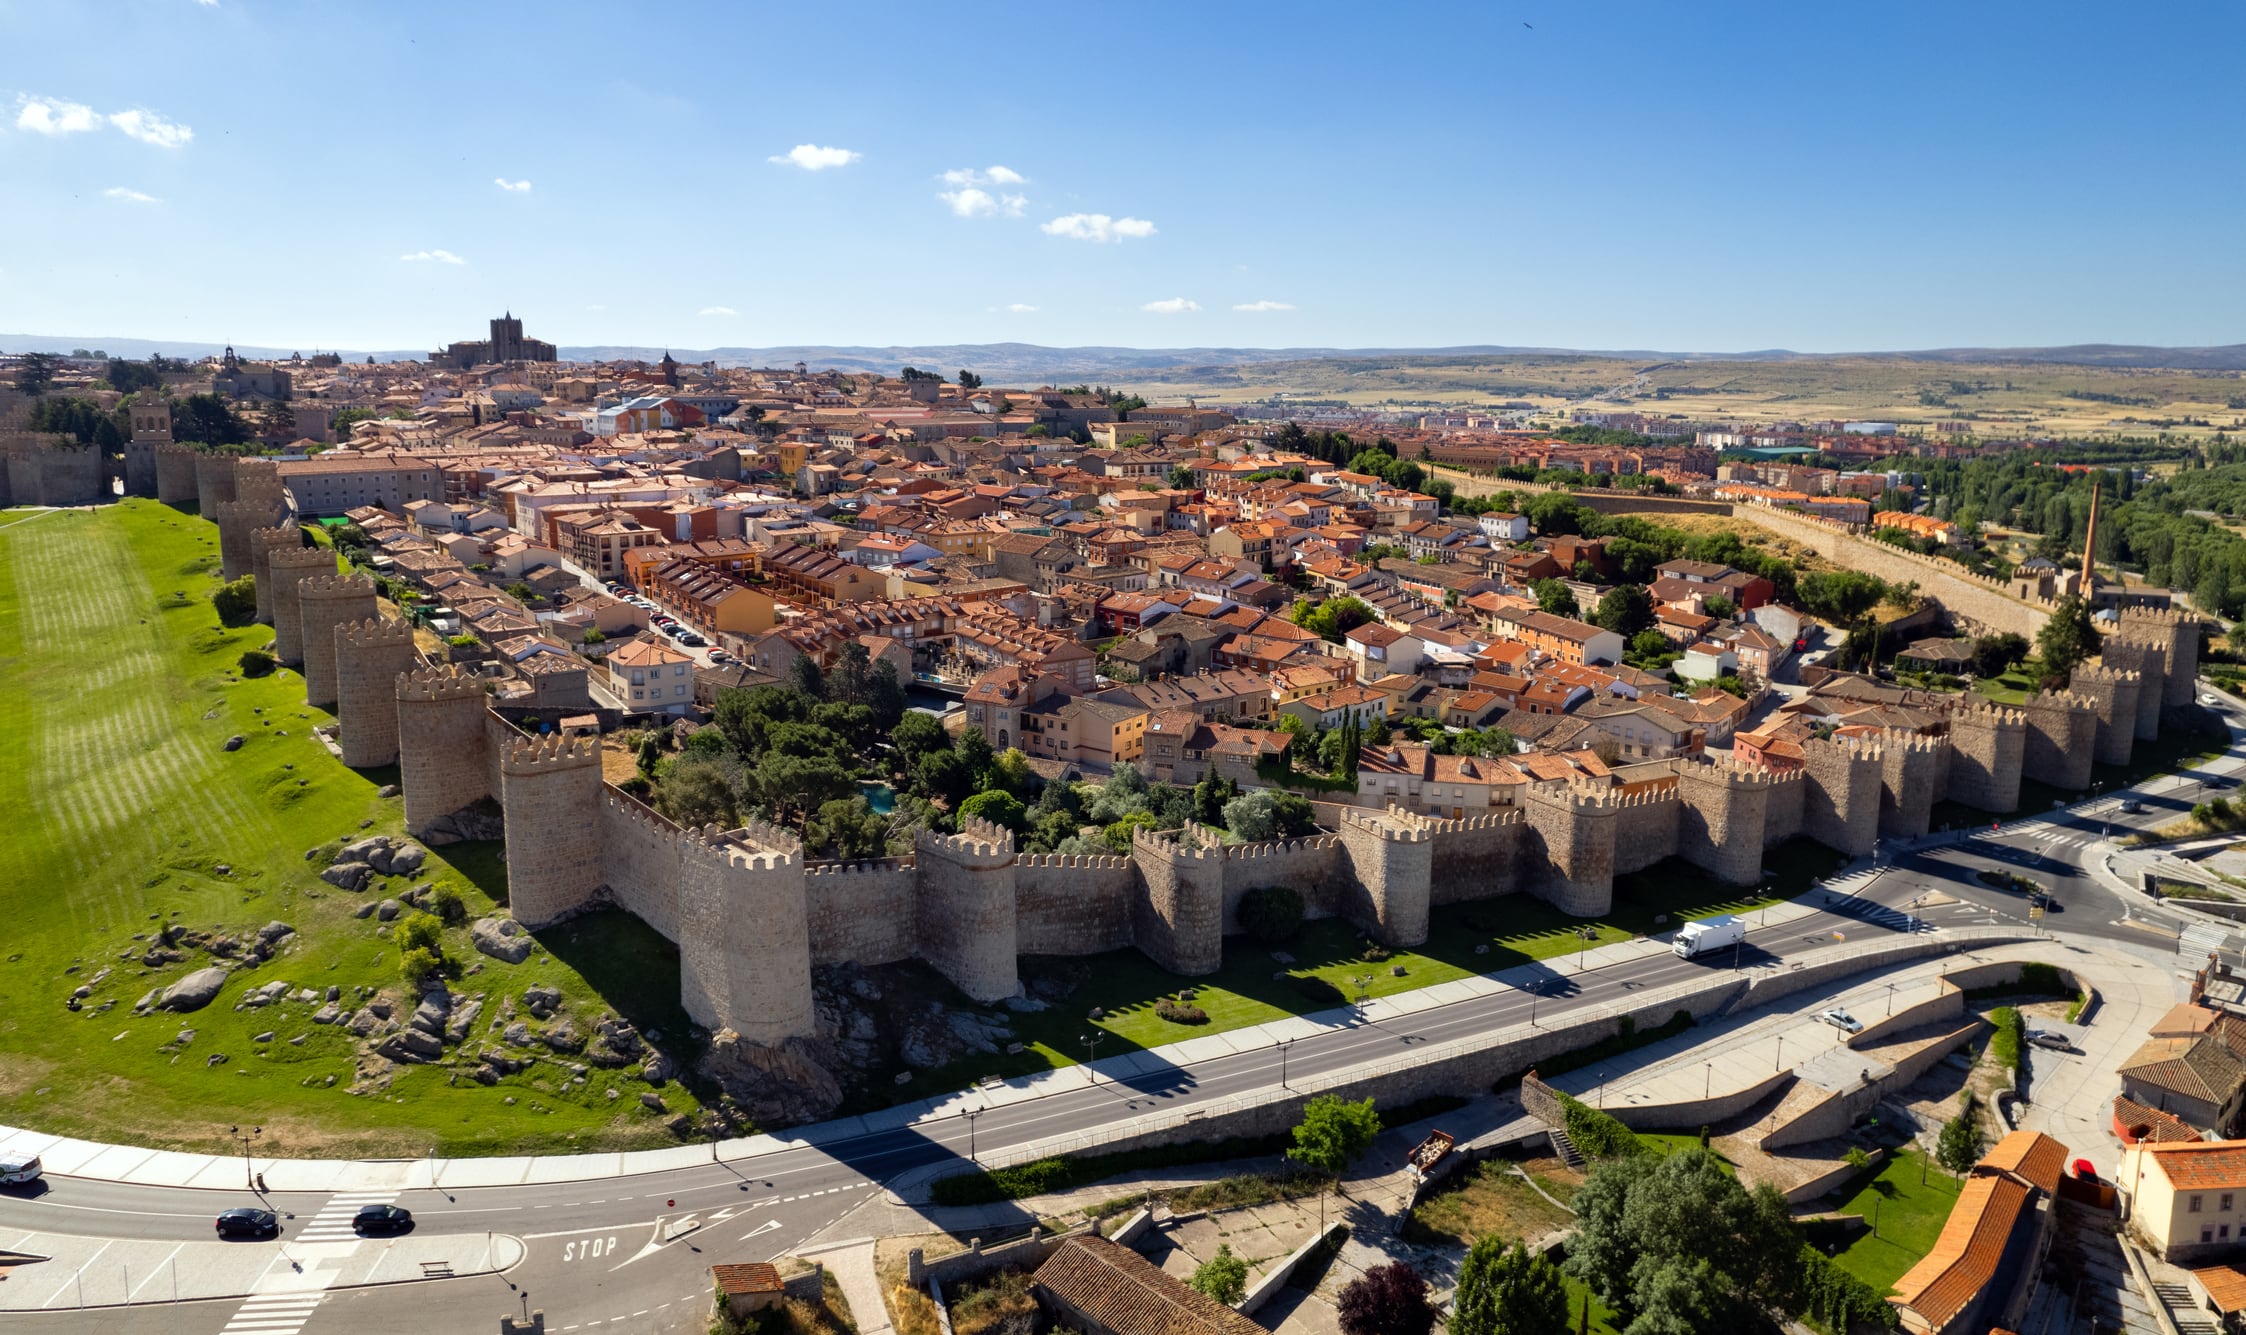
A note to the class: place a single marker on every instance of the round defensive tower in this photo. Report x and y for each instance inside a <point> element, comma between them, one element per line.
<point>1841,807</point>
<point>370,656</point>
<point>551,789</point>
<point>444,760</point>
<point>964,915</point>
<point>285,568</point>
<point>1577,829</point>
<point>263,543</point>
<point>214,482</point>
<point>324,602</point>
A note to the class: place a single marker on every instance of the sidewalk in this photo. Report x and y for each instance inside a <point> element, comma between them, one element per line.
<point>99,1272</point>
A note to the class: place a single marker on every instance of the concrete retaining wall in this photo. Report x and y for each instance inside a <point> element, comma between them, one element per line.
<point>1829,1179</point>
<point>1697,1113</point>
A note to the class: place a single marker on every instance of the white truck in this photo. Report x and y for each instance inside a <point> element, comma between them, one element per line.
<point>1709,934</point>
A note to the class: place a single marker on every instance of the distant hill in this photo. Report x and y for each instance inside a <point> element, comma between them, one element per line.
<point>1030,363</point>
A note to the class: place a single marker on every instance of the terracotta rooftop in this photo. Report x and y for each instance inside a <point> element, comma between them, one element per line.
<point>1118,1290</point>
<point>2141,1123</point>
<point>2203,1165</point>
<point>2225,1286</point>
<point>750,1277</point>
<point>2030,1156</point>
<point>1964,1258</point>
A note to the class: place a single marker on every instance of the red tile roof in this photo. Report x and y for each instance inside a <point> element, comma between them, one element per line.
<point>1118,1290</point>
<point>1964,1258</point>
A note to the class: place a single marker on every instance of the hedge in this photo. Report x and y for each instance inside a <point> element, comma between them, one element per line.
<point>1597,1135</point>
<point>1836,1299</point>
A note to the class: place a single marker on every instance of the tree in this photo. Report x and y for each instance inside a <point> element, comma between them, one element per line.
<point>1717,606</point>
<point>2067,638</point>
<point>1994,654</point>
<point>1386,1300</point>
<point>797,785</point>
<point>650,754</point>
<point>1508,1290</point>
<point>969,380</point>
<point>1210,796</point>
<point>1333,1132</point>
<point>696,791</point>
<point>1223,1276</point>
<point>206,419</point>
<point>1181,477</point>
<point>1272,914</point>
<point>1253,816</point>
<point>1555,597</point>
<point>35,373</point>
<point>846,828</point>
<point>1961,1142</point>
<point>236,600</point>
<point>1646,1226</point>
<point>1843,597</point>
<point>999,808</point>
<point>915,735</point>
<point>1626,609</point>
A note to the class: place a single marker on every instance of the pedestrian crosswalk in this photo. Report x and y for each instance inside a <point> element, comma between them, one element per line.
<point>333,1222</point>
<point>275,1314</point>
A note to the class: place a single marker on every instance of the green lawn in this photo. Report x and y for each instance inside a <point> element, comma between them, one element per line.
<point>1910,1219</point>
<point>117,691</point>
<point>1252,988</point>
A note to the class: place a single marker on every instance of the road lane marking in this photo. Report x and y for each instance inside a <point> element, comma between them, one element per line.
<point>72,1277</point>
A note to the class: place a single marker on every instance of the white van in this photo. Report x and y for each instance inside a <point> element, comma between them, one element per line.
<point>17,1169</point>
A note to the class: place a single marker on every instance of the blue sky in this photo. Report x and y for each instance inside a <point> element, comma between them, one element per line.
<point>1702,176</point>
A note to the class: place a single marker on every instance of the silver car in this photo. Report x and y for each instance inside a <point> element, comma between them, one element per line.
<point>1842,1020</point>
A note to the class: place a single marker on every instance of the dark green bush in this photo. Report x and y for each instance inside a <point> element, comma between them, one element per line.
<point>1272,914</point>
<point>258,663</point>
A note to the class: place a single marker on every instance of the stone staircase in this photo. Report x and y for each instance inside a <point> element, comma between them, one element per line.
<point>1565,1148</point>
<point>2188,1317</point>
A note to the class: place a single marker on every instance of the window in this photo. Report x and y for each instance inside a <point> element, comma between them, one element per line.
<point>2206,1235</point>
<point>2195,1203</point>
<point>2225,1206</point>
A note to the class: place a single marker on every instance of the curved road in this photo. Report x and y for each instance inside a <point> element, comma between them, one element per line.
<point>597,1256</point>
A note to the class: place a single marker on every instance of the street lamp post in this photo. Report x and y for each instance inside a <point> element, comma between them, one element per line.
<point>1091,1044</point>
<point>1780,1064</point>
<point>1586,935</point>
<point>971,1114</point>
<point>1708,1085</point>
<point>249,1173</point>
<point>1891,999</point>
<point>1283,1044</point>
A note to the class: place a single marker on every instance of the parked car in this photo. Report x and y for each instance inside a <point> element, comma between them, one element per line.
<point>692,639</point>
<point>2084,1170</point>
<point>1842,1020</point>
<point>2045,1038</point>
<point>245,1222</point>
<point>382,1219</point>
<point>19,1170</point>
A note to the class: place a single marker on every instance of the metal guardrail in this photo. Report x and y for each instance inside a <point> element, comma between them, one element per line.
<point>1305,1086</point>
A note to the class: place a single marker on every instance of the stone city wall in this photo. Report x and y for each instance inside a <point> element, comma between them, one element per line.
<point>861,912</point>
<point>1072,904</point>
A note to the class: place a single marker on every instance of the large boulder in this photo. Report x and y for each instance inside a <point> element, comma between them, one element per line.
<point>502,939</point>
<point>195,991</point>
<point>411,1045</point>
<point>407,860</point>
<point>351,876</point>
<point>364,850</point>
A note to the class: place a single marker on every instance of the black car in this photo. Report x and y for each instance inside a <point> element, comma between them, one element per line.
<point>244,1222</point>
<point>382,1219</point>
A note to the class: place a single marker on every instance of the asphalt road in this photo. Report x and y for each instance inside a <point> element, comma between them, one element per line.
<point>597,1257</point>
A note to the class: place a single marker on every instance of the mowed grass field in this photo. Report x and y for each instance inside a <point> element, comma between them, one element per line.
<point>118,690</point>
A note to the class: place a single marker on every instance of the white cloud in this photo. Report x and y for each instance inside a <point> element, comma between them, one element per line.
<point>48,115</point>
<point>130,196</point>
<point>207,4</point>
<point>1171,306</point>
<point>975,202</point>
<point>1264,306</point>
<point>440,256</point>
<point>988,176</point>
<point>1097,227</point>
<point>717,310</point>
<point>514,187</point>
<point>1022,308</point>
<point>150,128</point>
<point>814,158</point>
<point>596,308</point>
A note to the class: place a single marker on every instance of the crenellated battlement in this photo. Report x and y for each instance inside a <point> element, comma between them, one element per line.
<point>859,867</point>
<point>1853,748</point>
<point>2100,672</point>
<point>1396,825</point>
<point>1987,716</point>
<point>1727,771</point>
<point>329,588</point>
<point>1650,796</point>
<point>2057,702</point>
<point>1489,821</point>
<point>1175,845</point>
<point>772,838</point>
<point>1577,797</point>
<point>545,755</point>
<point>423,685</point>
<point>1075,861</point>
<point>1909,743</point>
<point>977,840</point>
<point>374,633</point>
<point>1272,848</point>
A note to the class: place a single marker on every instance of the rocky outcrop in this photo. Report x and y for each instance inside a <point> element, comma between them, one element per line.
<point>774,1086</point>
